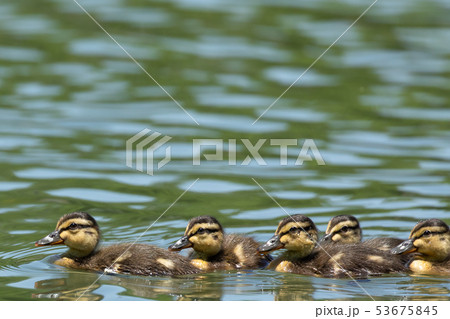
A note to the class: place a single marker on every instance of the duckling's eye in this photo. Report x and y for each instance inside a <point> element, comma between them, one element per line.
<point>201,231</point>
<point>293,229</point>
<point>72,226</point>
<point>427,233</point>
<point>344,229</point>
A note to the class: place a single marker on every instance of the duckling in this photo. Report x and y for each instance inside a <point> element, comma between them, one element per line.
<point>430,242</point>
<point>213,250</point>
<point>80,232</point>
<point>298,234</point>
<point>345,229</point>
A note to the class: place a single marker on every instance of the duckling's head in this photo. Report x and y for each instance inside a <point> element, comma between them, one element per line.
<point>79,231</point>
<point>296,233</point>
<point>204,234</point>
<point>343,229</point>
<point>430,238</point>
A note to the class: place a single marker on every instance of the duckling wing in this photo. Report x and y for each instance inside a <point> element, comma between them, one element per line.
<point>139,259</point>
<point>288,263</point>
<point>383,243</point>
<point>386,244</point>
<point>242,251</point>
<point>358,260</point>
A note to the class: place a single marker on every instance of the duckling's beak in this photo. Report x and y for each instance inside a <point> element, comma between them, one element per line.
<point>50,239</point>
<point>181,243</point>
<point>406,247</point>
<point>273,243</point>
<point>326,238</point>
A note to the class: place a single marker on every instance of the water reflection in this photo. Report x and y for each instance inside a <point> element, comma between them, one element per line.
<point>68,289</point>
<point>85,287</point>
<point>421,288</point>
<point>291,287</point>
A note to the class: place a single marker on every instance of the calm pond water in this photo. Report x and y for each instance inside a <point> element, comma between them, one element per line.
<point>376,106</point>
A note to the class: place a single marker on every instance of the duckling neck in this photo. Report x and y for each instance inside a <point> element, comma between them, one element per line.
<point>80,253</point>
<point>209,256</point>
<point>295,255</point>
<point>434,259</point>
<point>208,251</point>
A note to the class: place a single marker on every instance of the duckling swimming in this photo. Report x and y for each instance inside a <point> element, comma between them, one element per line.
<point>345,229</point>
<point>79,231</point>
<point>430,242</point>
<point>213,250</point>
<point>298,234</point>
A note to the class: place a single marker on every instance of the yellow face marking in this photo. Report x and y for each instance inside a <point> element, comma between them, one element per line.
<point>81,241</point>
<point>209,243</point>
<point>166,262</point>
<point>435,247</point>
<point>339,226</point>
<point>337,238</point>
<point>284,266</point>
<point>78,221</point>
<point>433,229</point>
<point>377,259</point>
<point>288,226</point>
<point>299,241</point>
<point>196,227</point>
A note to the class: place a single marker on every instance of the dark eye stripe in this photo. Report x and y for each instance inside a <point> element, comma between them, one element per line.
<point>431,233</point>
<point>305,229</point>
<point>206,231</point>
<point>348,227</point>
<point>78,226</point>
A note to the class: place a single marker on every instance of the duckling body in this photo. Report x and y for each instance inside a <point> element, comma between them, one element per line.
<point>137,259</point>
<point>345,229</point>
<point>429,243</point>
<point>214,250</point>
<point>354,261</point>
<point>298,235</point>
<point>238,252</point>
<point>382,243</point>
<point>80,232</point>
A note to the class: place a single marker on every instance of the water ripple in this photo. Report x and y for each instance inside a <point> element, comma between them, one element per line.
<point>99,195</point>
